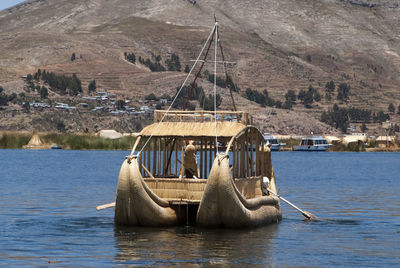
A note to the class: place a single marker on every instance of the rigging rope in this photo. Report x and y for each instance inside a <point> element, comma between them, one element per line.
<point>215,85</point>
<point>177,94</point>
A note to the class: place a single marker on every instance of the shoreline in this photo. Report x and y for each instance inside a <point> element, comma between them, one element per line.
<point>66,141</point>
<point>93,141</point>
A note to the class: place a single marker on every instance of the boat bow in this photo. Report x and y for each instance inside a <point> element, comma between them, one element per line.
<point>223,205</point>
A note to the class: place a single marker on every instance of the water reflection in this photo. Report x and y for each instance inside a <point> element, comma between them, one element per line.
<point>192,245</point>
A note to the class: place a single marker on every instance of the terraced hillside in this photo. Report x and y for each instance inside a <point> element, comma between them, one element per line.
<point>276,45</point>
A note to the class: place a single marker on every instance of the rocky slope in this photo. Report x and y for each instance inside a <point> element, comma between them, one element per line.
<point>276,45</point>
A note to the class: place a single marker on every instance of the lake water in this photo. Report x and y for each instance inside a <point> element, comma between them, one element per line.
<point>48,216</point>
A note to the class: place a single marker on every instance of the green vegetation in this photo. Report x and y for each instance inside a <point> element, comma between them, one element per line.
<point>130,57</point>
<point>340,117</point>
<point>13,140</point>
<point>92,86</point>
<point>120,105</point>
<point>4,98</point>
<point>351,147</point>
<point>59,83</point>
<point>151,96</point>
<point>153,66</point>
<point>187,69</point>
<point>308,97</point>
<point>391,108</point>
<point>224,83</point>
<point>343,92</point>
<point>329,89</point>
<point>88,142</point>
<point>262,98</point>
<point>44,93</point>
<point>337,117</point>
<point>173,64</point>
<point>206,102</point>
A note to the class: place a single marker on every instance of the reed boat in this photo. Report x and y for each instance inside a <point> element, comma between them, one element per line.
<point>228,189</point>
<point>207,168</point>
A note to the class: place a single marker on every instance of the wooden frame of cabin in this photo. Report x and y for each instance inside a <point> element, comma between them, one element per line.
<point>160,160</point>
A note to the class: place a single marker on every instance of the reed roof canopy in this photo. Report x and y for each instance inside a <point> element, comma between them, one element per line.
<point>192,129</point>
<point>197,124</point>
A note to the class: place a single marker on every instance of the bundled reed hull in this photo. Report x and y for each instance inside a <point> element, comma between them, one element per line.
<point>136,204</point>
<point>223,205</point>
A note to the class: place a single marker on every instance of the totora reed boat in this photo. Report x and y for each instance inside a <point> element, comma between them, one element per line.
<point>176,175</point>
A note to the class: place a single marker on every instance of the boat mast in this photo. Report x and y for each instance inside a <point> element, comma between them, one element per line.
<point>201,68</point>
<point>226,73</point>
<point>215,84</point>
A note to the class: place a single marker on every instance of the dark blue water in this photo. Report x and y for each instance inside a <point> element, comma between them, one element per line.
<point>48,216</point>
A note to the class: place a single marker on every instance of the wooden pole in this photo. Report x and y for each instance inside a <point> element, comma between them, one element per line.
<point>159,157</point>
<point>210,156</point>
<point>176,159</point>
<point>242,158</point>
<point>110,205</point>
<point>201,157</point>
<point>148,172</point>
<point>201,68</point>
<point>154,155</point>
<point>148,156</point>
<point>251,154</point>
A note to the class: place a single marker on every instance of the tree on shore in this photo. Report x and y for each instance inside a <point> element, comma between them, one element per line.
<point>187,69</point>
<point>92,86</point>
<point>290,99</point>
<point>44,93</point>
<point>391,108</point>
<point>120,105</point>
<point>343,92</point>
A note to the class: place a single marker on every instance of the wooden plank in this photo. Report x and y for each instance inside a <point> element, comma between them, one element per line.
<point>201,158</point>
<point>205,158</point>
<point>154,143</point>
<point>210,157</point>
<point>164,160</point>
<point>251,144</point>
<point>148,164</point>
<point>246,157</point>
<point>140,161</point>
<point>237,166</point>
<point>234,160</point>
<point>159,157</point>
<point>242,158</point>
<point>176,157</point>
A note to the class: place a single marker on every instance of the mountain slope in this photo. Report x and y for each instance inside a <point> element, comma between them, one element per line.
<point>276,45</point>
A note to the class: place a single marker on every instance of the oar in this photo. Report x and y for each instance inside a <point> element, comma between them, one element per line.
<point>109,205</point>
<point>306,214</point>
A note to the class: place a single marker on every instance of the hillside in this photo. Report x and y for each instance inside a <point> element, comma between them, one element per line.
<point>276,45</point>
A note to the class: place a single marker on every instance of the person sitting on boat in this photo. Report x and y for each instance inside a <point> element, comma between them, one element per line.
<point>189,161</point>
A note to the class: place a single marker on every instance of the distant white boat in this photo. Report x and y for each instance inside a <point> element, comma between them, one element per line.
<point>313,143</point>
<point>275,143</point>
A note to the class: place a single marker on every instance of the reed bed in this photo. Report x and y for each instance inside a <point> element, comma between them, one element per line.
<point>15,140</point>
<point>88,142</point>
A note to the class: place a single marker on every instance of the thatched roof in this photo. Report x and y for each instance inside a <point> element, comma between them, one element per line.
<point>35,141</point>
<point>110,134</point>
<point>193,129</point>
<point>354,138</point>
<point>386,138</point>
